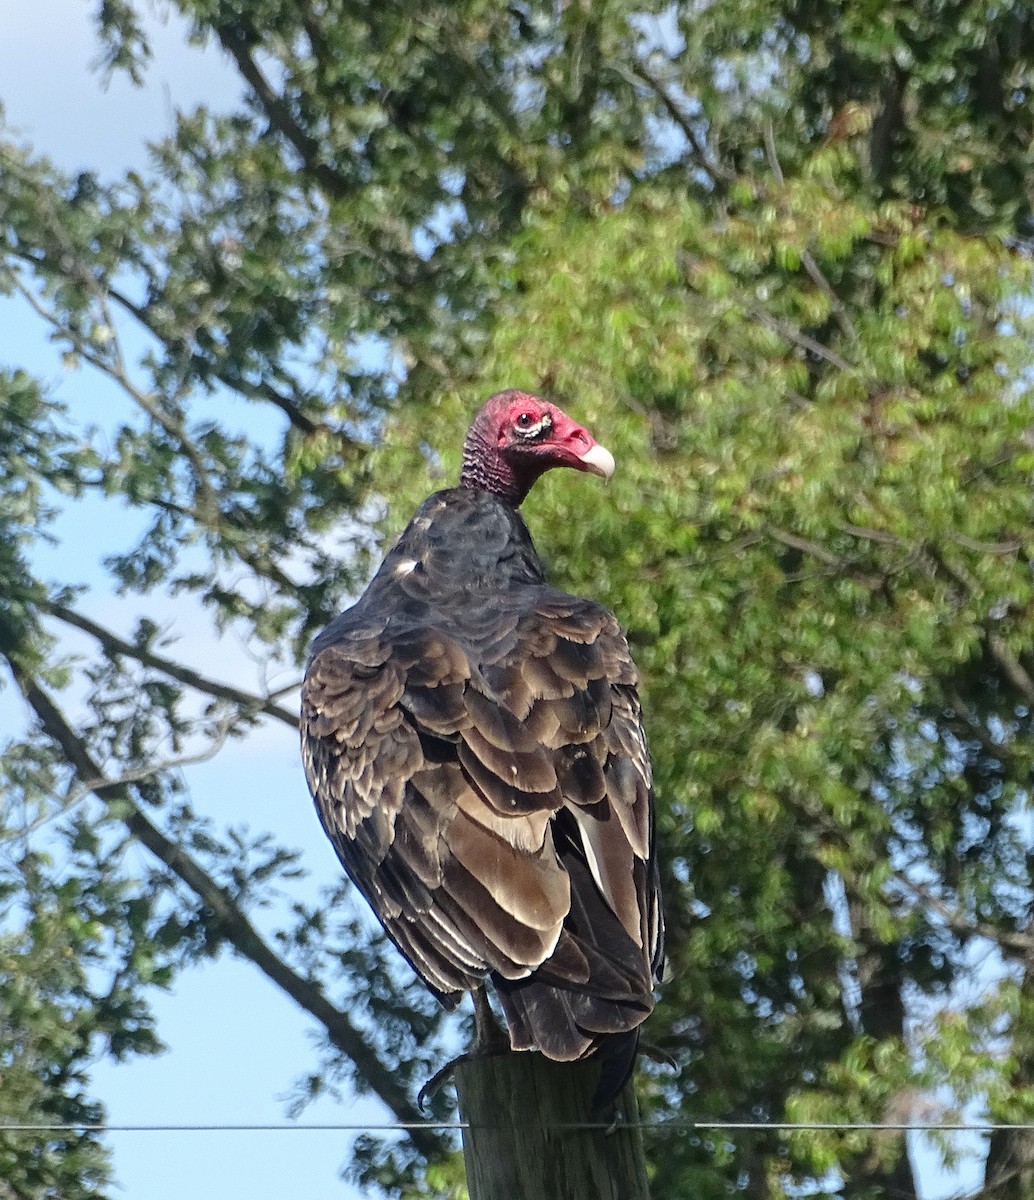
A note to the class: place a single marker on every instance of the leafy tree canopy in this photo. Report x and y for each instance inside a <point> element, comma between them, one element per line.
<point>775,256</point>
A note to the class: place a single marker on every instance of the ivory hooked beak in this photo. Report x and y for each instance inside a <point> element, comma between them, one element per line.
<point>599,460</point>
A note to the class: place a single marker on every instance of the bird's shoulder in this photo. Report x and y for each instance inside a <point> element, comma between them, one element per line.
<point>460,540</point>
<point>566,641</point>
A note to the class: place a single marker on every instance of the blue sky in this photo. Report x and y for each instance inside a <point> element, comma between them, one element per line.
<point>235,1043</point>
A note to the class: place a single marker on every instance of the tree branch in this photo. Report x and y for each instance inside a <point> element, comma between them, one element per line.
<point>260,390</point>
<point>1008,939</point>
<point>641,73</point>
<point>280,117</point>
<point>89,788</point>
<point>255,390</point>
<point>224,524</point>
<point>786,330</point>
<point>115,370</point>
<point>233,923</point>
<point>116,645</point>
<point>871,580</point>
<point>973,728</point>
<point>807,259</point>
<point>873,535</point>
<point>805,545</point>
<point>1011,667</point>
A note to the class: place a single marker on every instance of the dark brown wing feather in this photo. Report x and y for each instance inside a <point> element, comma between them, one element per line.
<point>496,814</point>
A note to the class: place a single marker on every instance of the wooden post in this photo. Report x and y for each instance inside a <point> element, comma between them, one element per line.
<point>515,1149</point>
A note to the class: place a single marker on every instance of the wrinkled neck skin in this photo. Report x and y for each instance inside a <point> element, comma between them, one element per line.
<point>486,470</point>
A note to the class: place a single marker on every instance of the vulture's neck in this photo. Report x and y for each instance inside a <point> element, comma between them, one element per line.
<point>486,470</point>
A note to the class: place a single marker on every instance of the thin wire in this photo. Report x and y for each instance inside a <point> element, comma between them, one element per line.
<point>653,1126</point>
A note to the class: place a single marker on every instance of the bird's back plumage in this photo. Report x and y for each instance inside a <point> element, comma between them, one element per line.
<point>472,738</point>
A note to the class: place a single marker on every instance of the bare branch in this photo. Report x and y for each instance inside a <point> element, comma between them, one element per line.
<point>640,73</point>
<point>233,922</point>
<point>957,922</point>
<point>786,330</point>
<point>90,787</point>
<point>175,670</point>
<point>807,258</point>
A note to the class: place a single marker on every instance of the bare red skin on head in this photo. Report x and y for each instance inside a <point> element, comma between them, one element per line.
<point>516,437</point>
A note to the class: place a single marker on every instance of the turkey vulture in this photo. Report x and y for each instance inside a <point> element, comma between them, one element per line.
<point>472,739</point>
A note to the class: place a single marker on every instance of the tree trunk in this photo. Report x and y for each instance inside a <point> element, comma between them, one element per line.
<point>887,1173</point>
<point>1009,1169</point>
<point>521,1144</point>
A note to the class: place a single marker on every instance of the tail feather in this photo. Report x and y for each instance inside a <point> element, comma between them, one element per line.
<point>592,993</point>
<point>540,1017</point>
<point>547,1018</point>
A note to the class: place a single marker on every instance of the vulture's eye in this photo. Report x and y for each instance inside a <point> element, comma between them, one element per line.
<point>529,425</point>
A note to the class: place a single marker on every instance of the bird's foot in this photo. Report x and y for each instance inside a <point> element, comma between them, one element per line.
<point>489,1039</point>
<point>657,1055</point>
<point>431,1087</point>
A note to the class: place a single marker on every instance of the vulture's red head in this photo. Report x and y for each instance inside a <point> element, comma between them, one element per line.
<point>516,437</point>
